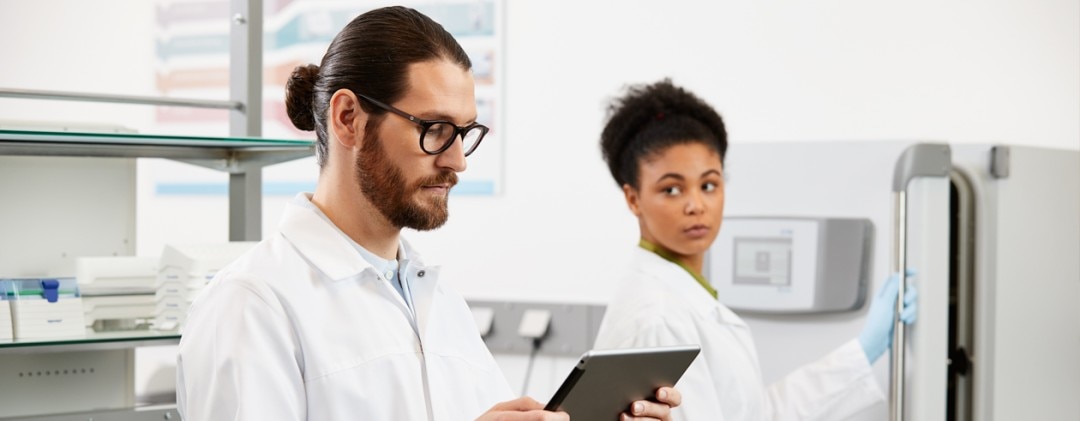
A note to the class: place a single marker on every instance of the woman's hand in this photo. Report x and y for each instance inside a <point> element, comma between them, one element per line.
<point>877,333</point>
<point>667,398</point>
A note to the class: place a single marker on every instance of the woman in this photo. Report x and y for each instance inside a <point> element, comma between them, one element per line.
<point>665,147</point>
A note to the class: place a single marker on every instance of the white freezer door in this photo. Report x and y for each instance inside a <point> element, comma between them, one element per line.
<point>1027,332</point>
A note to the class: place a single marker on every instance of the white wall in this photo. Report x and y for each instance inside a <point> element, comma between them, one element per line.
<point>953,70</point>
<point>66,45</point>
<point>956,71</point>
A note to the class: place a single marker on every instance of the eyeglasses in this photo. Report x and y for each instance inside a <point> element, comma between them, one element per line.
<point>436,136</point>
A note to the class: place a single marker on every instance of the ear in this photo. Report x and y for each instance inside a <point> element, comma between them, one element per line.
<point>347,119</point>
<point>632,198</point>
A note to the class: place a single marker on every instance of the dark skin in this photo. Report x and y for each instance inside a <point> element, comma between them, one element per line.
<point>679,201</point>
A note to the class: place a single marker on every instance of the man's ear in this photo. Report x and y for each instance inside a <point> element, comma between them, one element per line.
<point>632,198</point>
<point>347,119</point>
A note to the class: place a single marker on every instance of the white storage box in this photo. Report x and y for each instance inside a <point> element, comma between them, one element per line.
<point>45,308</point>
<point>183,271</point>
<point>200,260</point>
<point>117,275</point>
<point>170,320</point>
<point>188,288</point>
<point>176,303</point>
<point>119,312</point>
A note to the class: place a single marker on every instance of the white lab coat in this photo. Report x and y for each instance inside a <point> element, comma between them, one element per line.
<point>303,328</point>
<point>660,304</point>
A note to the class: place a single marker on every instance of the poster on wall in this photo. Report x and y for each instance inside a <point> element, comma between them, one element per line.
<point>193,53</point>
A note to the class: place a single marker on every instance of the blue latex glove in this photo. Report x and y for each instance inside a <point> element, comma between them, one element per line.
<point>877,333</point>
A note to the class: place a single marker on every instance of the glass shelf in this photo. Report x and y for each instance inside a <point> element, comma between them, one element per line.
<point>258,151</point>
<point>92,341</point>
<point>99,138</point>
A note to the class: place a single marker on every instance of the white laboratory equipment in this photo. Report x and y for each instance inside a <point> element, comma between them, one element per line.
<point>44,308</point>
<point>118,291</point>
<point>116,275</point>
<point>119,312</point>
<point>88,370</point>
<point>992,233</point>
<point>76,194</point>
<point>183,271</point>
<point>791,265</point>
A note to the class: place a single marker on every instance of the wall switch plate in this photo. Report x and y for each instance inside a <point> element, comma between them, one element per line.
<point>571,331</point>
<point>534,323</point>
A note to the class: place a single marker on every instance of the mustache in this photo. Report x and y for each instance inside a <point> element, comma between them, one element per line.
<point>449,177</point>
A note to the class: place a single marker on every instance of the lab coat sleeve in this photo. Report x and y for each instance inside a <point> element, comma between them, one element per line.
<point>239,359</point>
<point>699,394</point>
<point>833,388</point>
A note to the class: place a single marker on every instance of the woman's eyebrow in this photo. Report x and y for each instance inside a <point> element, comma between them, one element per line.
<point>711,171</point>
<point>671,175</point>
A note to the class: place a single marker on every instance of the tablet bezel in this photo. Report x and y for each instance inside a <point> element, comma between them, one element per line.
<point>615,378</point>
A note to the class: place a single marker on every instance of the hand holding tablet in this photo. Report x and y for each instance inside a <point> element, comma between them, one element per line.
<point>604,383</point>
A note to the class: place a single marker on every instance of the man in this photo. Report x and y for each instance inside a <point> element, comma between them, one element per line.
<point>336,316</point>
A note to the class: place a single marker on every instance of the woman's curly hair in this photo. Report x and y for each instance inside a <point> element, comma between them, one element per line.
<point>650,118</point>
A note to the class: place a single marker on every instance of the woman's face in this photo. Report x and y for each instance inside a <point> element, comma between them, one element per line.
<point>680,199</point>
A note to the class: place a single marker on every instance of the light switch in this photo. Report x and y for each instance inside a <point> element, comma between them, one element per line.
<point>534,323</point>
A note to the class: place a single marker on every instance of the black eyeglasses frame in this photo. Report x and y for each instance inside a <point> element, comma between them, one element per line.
<point>459,131</point>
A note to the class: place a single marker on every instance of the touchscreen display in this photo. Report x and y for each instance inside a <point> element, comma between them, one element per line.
<point>762,261</point>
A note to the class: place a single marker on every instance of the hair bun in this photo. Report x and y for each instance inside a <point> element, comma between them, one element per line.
<point>650,117</point>
<point>299,94</point>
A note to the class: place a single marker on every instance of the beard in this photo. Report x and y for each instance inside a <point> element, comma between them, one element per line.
<point>384,185</point>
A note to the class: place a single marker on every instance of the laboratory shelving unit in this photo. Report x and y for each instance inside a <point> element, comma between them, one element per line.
<point>122,343</point>
<point>242,155</point>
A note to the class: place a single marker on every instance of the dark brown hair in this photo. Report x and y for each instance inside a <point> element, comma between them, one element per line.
<point>370,56</point>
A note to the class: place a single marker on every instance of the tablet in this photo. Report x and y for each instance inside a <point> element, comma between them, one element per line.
<point>605,383</point>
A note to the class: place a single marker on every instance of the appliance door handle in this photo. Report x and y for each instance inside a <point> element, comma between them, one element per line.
<point>919,160</point>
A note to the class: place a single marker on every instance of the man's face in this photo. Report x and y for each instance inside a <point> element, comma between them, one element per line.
<point>409,187</point>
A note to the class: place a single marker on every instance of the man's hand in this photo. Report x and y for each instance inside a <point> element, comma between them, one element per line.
<point>668,398</point>
<point>522,409</point>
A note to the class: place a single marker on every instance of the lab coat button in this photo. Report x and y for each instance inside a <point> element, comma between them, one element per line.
<point>420,274</point>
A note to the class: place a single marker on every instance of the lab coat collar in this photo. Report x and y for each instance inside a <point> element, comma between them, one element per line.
<point>684,285</point>
<point>326,247</point>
